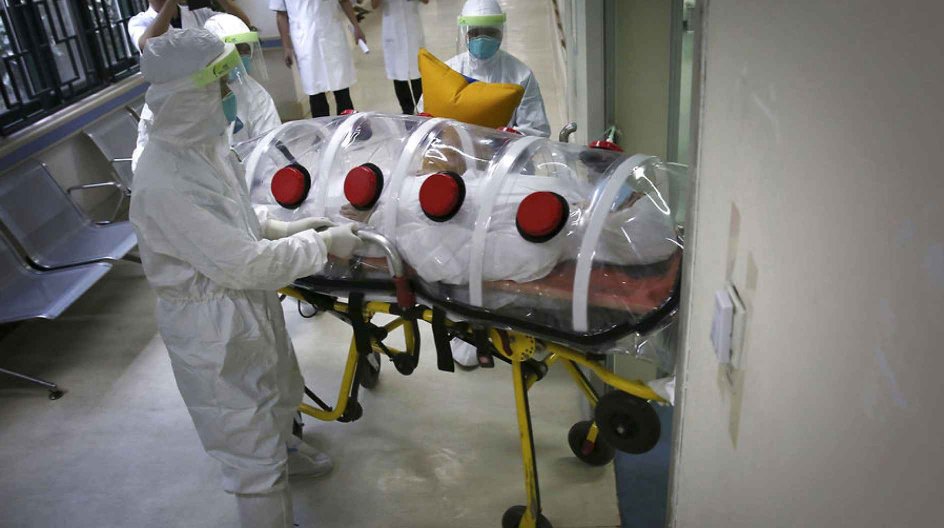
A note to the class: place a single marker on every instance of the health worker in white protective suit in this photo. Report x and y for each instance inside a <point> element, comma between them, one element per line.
<point>481,29</point>
<point>257,113</point>
<point>215,267</point>
<point>154,21</point>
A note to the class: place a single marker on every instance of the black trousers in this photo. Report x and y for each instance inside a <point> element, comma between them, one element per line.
<point>319,102</point>
<point>408,94</point>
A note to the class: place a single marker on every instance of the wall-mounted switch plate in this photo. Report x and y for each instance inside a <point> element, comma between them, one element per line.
<point>722,326</point>
<point>727,326</point>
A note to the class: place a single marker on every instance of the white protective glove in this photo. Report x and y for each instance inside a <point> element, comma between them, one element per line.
<point>340,240</point>
<point>276,229</point>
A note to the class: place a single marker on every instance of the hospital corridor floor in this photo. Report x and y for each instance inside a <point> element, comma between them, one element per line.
<point>119,449</point>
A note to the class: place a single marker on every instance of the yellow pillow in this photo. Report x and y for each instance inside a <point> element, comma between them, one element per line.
<point>447,93</point>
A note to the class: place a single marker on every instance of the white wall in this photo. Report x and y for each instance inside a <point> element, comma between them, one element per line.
<point>821,129</point>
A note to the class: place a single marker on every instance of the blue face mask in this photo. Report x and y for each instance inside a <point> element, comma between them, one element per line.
<point>483,48</point>
<point>247,63</point>
<point>229,107</point>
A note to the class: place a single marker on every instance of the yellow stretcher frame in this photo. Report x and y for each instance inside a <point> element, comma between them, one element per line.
<point>517,348</point>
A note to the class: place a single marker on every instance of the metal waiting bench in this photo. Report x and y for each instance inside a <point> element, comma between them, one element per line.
<point>31,294</point>
<point>52,231</point>
<point>115,135</point>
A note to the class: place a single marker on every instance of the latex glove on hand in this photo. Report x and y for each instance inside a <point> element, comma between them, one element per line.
<point>341,240</point>
<point>276,229</point>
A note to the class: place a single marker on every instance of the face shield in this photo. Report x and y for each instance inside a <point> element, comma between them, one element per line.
<point>228,72</point>
<point>480,35</point>
<point>250,53</point>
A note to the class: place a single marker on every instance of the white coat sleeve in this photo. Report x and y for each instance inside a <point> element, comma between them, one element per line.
<point>187,227</point>
<point>138,25</point>
<point>530,117</point>
<point>277,5</point>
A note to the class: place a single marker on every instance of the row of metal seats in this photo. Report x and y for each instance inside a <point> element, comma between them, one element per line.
<point>64,252</point>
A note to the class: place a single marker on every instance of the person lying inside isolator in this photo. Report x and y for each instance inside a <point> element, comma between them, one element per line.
<point>437,242</point>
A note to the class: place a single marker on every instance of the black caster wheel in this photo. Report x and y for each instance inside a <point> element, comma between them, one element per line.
<point>371,374</point>
<point>55,394</point>
<point>598,453</point>
<point>513,516</point>
<point>353,413</point>
<point>627,423</point>
<point>404,363</point>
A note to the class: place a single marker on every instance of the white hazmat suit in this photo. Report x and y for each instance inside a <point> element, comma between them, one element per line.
<point>215,276</point>
<point>529,118</point>
<point>137,25</point>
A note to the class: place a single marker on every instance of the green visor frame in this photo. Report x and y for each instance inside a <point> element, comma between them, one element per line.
<point>242,38</point>
<point>217,68</point>
<point>482,20</point>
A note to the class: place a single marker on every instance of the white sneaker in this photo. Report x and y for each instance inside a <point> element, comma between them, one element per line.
<point>304,461</point>
<point>464,354</point>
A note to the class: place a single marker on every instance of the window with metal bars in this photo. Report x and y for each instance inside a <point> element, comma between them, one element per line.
<point>55,52</point>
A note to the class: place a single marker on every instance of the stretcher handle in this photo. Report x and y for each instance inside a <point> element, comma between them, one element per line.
<point>405,296</point>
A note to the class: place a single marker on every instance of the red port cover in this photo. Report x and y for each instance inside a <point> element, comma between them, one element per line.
<point>363,185</point>
<point>510,130</point>
<point>349,111</point>
<point>541,215</point>
<point>605,145</point>
<point>290,186</point>
<point>441,195</point>
<point>425,114</point>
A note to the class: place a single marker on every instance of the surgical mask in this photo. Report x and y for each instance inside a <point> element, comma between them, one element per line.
<point>247,63</point>
<point>229,107</point>
<point>483,48</point>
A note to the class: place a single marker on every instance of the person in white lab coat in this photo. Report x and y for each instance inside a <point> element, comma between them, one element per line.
<point>154,21</point>
<point>215,266</point>
<point>481,28</point>
<point>257,112</point>
<point>313,37</point>
<point>402,39</point>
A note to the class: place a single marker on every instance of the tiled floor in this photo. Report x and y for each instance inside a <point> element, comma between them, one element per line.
<point>432,450</point>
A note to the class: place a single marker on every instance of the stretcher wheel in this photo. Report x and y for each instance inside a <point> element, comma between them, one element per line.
<point>352,413</point>
<point>371,374</point>
<point>404,364</point>
<point>512,518</point>
<point>627,423</point>
<point>598,453</point>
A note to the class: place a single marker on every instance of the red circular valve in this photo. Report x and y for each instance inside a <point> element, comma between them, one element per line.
<point>363,185</point>
<point>605,145</point>
<point>510,130</point>
<point>290,186</point>
<point>541,216</point>
<point>349,111</point>
<point>441,196</point>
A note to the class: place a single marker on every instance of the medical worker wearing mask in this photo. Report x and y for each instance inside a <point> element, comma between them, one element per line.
<point>402,39</point>
<point>314,37</point>
<point>215,267</point>
<point>257,113</point>
<point>155,20</point>
<point>481,29</point>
